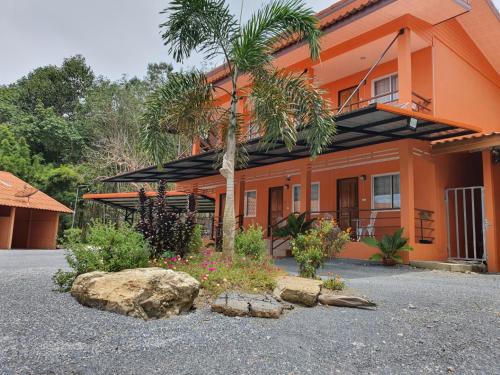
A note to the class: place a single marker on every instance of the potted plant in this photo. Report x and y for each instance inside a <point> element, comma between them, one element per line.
<point>390,247</point>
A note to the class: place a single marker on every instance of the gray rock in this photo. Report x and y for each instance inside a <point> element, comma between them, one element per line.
<point>331,299</point>
<point>147,293</point>
<point>298,290</point>
<point>244,304</point>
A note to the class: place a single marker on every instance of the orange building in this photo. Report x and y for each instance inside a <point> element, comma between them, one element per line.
<point>28,218</point>
<point>417,90</point>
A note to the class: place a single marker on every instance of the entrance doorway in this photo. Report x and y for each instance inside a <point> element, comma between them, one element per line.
<point>222,205</point>
<point>347,202</point>
<point>275,212</point>
<point>344,96</point>
<point>466,223</point>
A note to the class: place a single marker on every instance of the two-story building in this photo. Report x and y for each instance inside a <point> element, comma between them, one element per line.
<point>416,85</point>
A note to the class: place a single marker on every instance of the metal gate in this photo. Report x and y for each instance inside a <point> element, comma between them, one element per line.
<point>466,223</point>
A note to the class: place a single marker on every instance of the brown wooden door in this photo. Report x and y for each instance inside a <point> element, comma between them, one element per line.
<point>275,206</point>
<point>347,201</point>
<point>222,205</point>
<point>344,95</point>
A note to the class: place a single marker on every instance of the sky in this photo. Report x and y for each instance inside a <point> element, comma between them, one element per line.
<point>116,37</point>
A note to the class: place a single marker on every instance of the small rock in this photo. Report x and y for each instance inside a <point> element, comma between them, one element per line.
<point>298,290</point>
<point>410,306</point>
<point>244,304</point>
<point>450,369</point>
<point>331,299</point>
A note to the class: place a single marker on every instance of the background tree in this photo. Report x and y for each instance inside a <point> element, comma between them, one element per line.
<point>280,102</point>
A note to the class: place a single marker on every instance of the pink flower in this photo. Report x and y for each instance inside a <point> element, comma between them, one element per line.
<point>212,269</point>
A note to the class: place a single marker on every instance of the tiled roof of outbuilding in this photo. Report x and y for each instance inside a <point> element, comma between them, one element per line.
<point>14,192</point>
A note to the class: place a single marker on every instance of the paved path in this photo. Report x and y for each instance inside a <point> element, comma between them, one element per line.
<point>454,324</point>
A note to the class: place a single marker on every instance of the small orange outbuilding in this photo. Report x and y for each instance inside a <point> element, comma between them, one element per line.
<point>29,218</point>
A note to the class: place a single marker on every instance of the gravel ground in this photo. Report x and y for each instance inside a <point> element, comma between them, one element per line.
<point>426,322</point>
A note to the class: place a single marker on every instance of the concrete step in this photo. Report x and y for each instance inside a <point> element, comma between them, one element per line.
<point>452,266</point>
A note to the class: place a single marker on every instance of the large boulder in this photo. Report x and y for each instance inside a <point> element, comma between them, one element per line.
<point>147,293</point>
<point>244,304</point>
<point>298,290</point>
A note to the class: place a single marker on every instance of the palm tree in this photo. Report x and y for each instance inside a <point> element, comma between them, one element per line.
<point>279,102</point>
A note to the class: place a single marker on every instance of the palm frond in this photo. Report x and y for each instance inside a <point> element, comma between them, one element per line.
<point>278,20</point>
<point>198,25</point>
<point>284,103</point>
<point>184,105</point>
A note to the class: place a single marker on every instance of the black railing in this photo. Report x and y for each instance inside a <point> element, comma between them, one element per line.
<point>217,233</point>
<point>419,103</point>
<point>362,222</point>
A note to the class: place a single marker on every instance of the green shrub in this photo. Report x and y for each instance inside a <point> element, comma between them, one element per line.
<point>106,248</point>
<point>250,242</point>
<point>311,248</point>
<point>196,240</point>
<point>334,283</point>
<point>391,246</point>
<point>307,249</point>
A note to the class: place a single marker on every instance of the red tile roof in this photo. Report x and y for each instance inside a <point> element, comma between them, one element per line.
<point>14,192</point>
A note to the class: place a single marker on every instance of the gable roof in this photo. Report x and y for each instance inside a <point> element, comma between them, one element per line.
<point>14,192</point>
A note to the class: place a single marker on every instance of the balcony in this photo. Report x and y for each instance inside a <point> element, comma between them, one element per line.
<point>418,104</point>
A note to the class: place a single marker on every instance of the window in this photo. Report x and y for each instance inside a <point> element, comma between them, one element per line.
<point>386,192</point>
<point>315,197</point>
<point>296,198</point>
<point>386,89</point>
<point>250,203</point>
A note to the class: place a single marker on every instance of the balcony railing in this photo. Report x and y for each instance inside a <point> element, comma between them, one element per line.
<point>418,104</point>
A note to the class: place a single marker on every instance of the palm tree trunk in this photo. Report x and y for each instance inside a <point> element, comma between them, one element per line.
<point>227,170</point>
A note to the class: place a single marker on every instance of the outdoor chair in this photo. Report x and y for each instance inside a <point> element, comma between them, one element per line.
<point>368,229</point>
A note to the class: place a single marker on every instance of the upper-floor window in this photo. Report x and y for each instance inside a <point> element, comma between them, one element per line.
<point>386,193</point>
<point>296,198</point>
<point>250,203</point>
<point>385,89</point>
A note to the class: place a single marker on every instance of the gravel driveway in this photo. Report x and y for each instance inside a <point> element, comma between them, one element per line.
<point>453,324</point>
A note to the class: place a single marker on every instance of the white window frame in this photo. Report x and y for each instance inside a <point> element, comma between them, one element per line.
<point>381,78</point>
<point>245,209</point>
<point>293,191</point>
<point>373,192</point>
<point>319,198</point>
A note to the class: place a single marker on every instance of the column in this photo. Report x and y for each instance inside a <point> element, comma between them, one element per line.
<point>404,68</point>
<point>490,204</point>
<point>407,194</point>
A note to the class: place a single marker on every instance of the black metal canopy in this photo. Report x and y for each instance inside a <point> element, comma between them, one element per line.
<point>130,201</point>
<point>363,127</point>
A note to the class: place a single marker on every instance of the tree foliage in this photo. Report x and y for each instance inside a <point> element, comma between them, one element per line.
<point>285,105</point>
<point>61,127</point>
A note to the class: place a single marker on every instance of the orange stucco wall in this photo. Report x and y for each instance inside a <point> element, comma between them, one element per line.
<point>463,87</point>
<point>28,229</point>
<point>326,170</point>
<point>7,215</point>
